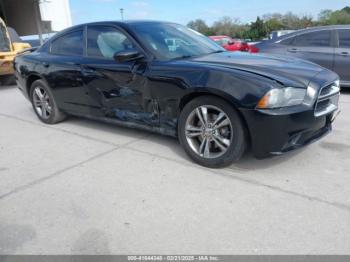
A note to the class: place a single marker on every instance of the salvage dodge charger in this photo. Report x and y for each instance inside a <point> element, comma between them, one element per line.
<point>217,103</point>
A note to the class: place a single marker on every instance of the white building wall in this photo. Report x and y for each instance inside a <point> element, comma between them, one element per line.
<point>56,11</point>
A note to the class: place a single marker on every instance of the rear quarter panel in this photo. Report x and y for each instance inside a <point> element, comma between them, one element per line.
<point>28,65</point>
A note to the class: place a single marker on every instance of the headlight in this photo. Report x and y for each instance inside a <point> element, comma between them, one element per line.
<point>282,97</point>
<point>337,83</point>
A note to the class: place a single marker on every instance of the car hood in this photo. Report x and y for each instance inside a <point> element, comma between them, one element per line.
<point>288,71</point>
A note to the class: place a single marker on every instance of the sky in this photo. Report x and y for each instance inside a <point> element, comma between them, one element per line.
<point>182,11</point>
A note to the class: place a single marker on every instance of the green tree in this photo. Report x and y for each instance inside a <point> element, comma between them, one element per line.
<point>273,24</point>
<point>324,16</point>
<point>305,21</point>
<point>270,22</point>
<point>257,29</point>
<point>225,26</point>
<point>328,17</point>
<point>199,25</point>
<point>290,21</point>
<point>346,9</point>
<point>340,17</point>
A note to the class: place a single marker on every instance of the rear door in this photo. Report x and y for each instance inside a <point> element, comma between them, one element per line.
<point>63,72</point>
<point>342,55</point>
<point>316,46</point>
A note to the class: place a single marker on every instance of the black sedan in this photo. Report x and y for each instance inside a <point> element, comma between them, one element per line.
<point>217,103</point>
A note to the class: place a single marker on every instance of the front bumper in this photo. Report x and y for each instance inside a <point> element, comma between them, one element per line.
<point>277,134</point>
<point>6,67</point>
<point>6,63</point>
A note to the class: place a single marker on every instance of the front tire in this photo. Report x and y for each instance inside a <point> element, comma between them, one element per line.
<point>44,104</point>
<point>211,132</point>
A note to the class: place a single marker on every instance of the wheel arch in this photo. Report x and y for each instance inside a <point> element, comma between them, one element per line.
<point>32,77</point>
<point>190,96</point>
<point>30,80</point>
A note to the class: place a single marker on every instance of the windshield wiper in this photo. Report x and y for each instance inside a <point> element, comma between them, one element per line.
<point>216,52</point>
<point>191,56</point>
<point>182,57</point>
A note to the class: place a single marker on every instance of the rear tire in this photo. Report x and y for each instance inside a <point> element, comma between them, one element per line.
<point>44,103</point>
<point>211,132</point>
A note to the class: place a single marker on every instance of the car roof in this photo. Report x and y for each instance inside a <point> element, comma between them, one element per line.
<point>122,23</point>
<point>311,29</point>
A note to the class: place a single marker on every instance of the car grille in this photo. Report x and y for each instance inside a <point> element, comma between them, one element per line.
<point>327,101</point>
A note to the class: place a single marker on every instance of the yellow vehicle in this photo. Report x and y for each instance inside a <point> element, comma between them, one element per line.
<point>8,50</point>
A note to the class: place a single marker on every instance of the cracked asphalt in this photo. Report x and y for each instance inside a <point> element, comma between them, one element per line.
<point>84,187</point>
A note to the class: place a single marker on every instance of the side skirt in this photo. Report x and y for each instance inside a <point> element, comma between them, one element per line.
<point>153,129</point>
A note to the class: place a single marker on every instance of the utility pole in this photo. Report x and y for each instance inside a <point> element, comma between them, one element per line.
<point>37,15</point>
<point>38,18</point>
<point>122,13</point>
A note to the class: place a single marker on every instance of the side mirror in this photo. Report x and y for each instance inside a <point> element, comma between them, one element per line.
<point>231,43</point>
<point>127,56</point>
<point>17,47</point>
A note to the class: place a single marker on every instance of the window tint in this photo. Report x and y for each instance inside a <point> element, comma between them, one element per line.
<point>288,41</point>
<point>69,44</point>
<point>344,38</point>
<point>105,41</point>
<point>319,38</point>
<point>4,40</point>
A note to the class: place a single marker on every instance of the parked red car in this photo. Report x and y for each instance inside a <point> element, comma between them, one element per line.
<point>230,44</point>
<point>253,49</point>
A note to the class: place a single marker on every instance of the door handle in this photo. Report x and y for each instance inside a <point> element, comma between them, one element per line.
<point>293,50</point>
<point>344,53</point>
<point>45,64</point>
<point>86,71</point>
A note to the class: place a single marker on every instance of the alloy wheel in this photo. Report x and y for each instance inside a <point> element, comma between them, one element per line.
<point>208,131</point>
<point>42,103</point>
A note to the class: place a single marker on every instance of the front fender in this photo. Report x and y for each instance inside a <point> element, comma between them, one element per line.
<point>174,85</point>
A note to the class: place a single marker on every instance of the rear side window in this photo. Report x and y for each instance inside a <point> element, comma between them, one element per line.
<point>318,39</point>
<point>105,41</point>
<point>344,38</point>
<point>69,44</point>
<point>5,45</point>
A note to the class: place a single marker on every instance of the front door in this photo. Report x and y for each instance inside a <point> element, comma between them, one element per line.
<point>315,47</point>
<point>118,90</point>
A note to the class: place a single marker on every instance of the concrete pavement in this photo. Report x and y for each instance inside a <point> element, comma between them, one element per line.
<point>83,187</point>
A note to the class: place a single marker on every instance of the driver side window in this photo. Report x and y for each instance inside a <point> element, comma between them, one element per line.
<point>105,41</point>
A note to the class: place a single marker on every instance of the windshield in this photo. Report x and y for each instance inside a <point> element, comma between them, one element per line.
<point>173,41</point>
<point>4,41</point>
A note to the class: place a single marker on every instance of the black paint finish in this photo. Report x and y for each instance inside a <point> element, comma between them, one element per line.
<point>150,93</point>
